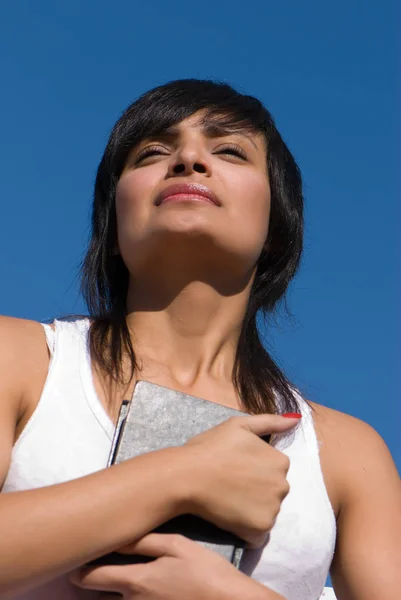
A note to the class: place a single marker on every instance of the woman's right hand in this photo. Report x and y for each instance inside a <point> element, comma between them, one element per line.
<point>237,480</point>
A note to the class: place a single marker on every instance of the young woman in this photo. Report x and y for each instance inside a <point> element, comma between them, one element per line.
<point>197,226</point>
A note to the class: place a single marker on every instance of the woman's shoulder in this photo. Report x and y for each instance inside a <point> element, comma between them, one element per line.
<point>347,439</point>
<point>349,448</point>
<point>16,332</point>
<point>335,427</point>
<point>347,430</point>
<point>24,359</point>
<point>19,338</point>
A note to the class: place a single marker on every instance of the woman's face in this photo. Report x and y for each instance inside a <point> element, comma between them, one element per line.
<point>196,187</point>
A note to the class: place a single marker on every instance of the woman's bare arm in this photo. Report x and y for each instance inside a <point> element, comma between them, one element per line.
<point>51,530</point>
<point>221,475</point>
<point>367,562</point>
<point>182,569</point>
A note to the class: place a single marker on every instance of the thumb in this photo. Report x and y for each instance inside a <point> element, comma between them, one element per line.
<point>158,545</point>
<point>265,424</point>
<point>110,578</point>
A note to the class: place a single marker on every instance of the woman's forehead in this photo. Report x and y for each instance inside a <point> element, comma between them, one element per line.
<point>214,124</point>
<point>211,125</point>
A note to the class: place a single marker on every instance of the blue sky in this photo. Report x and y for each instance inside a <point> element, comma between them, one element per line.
<point>327,71</point>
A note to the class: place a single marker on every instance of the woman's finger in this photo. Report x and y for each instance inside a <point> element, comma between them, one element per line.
<point>113,578</point>
<point>265,424</point>
<point>161,544</point>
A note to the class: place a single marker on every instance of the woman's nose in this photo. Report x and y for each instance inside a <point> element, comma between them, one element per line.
<point>188,161</point>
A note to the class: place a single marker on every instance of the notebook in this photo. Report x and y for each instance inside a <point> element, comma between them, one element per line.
<point>157,418</point>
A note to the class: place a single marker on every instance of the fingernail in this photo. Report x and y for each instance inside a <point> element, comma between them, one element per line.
<point>292,415</point>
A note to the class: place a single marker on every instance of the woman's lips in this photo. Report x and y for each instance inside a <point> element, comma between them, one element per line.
<point>185,198</point>
<point>185,192</point>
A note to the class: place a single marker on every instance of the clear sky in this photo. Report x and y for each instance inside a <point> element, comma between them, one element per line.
<point>326,70</point>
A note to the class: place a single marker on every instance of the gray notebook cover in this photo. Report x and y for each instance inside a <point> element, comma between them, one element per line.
<point>159,417</point>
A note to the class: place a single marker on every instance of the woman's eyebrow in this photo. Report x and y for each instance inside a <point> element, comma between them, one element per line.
<point>209,129</point>
<point>212,130</point>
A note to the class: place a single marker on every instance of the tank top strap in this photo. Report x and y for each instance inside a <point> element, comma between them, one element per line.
<point>66,333</point>
<point>50,337</point>
<point>67,340</point>
<point>307,425</point>
<point>312,445</point>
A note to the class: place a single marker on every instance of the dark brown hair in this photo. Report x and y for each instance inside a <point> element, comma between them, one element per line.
<point>261,384</point>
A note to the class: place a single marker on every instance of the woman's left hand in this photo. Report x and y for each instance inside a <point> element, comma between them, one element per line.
<point>183,569</point>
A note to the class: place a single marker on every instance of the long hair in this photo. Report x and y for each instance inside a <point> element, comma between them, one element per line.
<point>261,385</point>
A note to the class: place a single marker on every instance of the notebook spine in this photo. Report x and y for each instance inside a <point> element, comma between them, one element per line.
<point>122,418</point>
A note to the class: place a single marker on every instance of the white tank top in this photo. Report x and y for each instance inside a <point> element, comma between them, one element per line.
<point>69,436</point>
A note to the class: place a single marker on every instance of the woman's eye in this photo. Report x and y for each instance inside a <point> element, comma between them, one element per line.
<point>232,150</point>
<point>150,151</point>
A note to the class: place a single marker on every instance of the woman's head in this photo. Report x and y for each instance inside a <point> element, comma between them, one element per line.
<point>277,197</point>
<point>194,131</point>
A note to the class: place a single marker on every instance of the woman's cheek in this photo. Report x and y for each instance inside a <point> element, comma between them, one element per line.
<point>133,201</point>
<point>252,205</point>
<point>128,193</point>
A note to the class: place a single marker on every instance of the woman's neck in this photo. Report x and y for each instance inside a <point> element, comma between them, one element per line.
<point>188,336</point>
